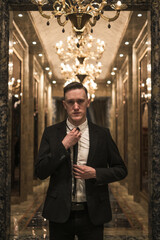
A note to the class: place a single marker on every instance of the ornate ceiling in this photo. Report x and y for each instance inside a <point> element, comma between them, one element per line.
<point>52,34</point>
<point>125,28</point>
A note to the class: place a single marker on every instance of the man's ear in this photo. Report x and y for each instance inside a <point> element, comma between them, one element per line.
<point>89,101</point>
<point>64,104</point>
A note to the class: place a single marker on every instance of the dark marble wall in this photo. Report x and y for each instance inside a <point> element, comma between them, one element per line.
<point>154,208</point>
<point>154,200</point>
<point>4,166</point>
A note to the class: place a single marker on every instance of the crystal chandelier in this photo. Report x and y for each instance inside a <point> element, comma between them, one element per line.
<point>82,72</point>
<point>89,84</point>
<point>81,46</point>
<point>80,60</point>
<point>79,12</point>
<point>80,57</point>
<point>79,71</point>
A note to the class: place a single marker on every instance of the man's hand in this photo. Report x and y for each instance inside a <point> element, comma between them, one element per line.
<point>83,172</point>
<point>71,138</point>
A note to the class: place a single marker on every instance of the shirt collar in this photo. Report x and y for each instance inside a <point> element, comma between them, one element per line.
<point>81,127</point>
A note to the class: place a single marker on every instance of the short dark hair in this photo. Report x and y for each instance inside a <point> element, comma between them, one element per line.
<point>74,85</point>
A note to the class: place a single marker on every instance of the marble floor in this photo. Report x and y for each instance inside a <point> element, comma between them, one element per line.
<point>130,220</point>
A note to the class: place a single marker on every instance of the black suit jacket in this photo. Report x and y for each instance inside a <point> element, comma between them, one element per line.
<point>54,162</point>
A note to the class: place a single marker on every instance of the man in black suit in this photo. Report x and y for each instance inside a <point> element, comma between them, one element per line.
<point>77,201</point>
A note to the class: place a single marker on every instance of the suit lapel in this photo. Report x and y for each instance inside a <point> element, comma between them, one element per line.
<point>62,130</point>
<point>61,134</point>
<point>93,142</point>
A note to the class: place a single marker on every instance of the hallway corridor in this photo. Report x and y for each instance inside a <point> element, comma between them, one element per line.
<point>130,220</point>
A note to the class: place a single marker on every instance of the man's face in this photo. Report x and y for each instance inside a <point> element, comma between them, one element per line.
<point>76,103</point>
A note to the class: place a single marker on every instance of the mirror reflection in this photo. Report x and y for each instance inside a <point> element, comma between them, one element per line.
<point>116,69</point>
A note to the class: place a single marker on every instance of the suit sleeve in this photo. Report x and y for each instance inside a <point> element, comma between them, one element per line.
<point>116,169</point>
<point>49,161</point>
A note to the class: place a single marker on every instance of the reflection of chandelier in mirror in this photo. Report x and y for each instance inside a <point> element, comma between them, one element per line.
<point>82,72</point>
<point>79,71</point>
<point>80,59</point>
<point>88,83</point>
<point>146,89</point>
<point>81,46</point>
<point>79,12</point>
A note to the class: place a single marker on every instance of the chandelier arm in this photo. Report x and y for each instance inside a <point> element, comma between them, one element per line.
<point>102,5</point>
<point>63,5</point>
<point>92,23</point>
<point>43,14</point>
<point>91,8</point>
<point>88,6</point>
<point>54,4</point>
<point>60,22</point>
<point>111,19</point>
<point>70,5</point>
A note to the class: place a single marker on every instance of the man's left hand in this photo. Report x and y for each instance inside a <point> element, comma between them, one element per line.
<point>83,172</point>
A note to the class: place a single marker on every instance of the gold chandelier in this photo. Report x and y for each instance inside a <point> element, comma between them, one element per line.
<point>80,57</point>
<point>80,46</point>
<point>79,12</point>
<point>79,72</point>
<point>80,60</point>
<point>89,84</point>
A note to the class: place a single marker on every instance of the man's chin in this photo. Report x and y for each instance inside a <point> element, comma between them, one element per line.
<point>77,120</point>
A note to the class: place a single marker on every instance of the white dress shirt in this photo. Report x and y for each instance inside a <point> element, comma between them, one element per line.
<point>83,150</point>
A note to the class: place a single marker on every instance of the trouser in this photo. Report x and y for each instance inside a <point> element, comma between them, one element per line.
<point>79,225</point>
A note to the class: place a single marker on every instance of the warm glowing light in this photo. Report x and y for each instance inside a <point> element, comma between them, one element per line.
<point>93,95</point>
<point>112,73</point>
<point>148,81</point>
<point>119,3</point>
<point>109,82</point>
<point>20,15</point>
<point>10,65</point>
<point>149,67</point>
<point>10,51</point>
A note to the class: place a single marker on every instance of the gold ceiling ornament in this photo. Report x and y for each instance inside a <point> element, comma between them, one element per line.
<point>79,12</point>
